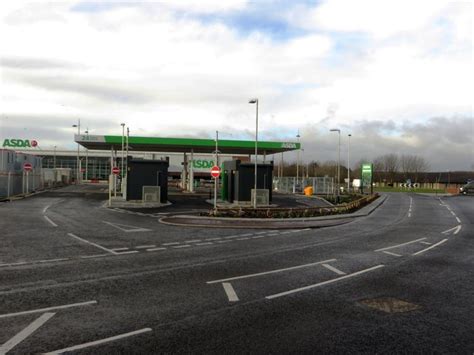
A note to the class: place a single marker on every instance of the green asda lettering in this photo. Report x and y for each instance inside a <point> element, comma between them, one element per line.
<point>203,164</point>
<point>19,143</point>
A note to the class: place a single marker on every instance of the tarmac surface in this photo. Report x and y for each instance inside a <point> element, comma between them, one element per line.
<point>79,278</point>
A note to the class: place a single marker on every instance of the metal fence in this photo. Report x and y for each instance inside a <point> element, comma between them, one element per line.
<point>321,185</point>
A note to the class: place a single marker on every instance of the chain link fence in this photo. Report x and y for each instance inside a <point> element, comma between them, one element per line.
<point>321,185</point>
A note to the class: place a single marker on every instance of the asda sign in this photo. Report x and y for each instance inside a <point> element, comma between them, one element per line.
<point>203,164</point>
<point>19,143</point>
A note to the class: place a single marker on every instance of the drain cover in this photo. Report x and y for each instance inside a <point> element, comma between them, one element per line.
<point>390,305</point>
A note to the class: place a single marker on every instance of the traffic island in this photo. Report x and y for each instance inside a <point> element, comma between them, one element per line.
<point>295,217</point>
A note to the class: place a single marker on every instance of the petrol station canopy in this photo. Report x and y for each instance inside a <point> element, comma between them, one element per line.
<point>183,145</point>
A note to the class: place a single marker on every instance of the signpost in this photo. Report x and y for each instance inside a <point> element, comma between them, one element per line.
<point>367,172</point>
<point>215,173</point>
<point>115,171</point>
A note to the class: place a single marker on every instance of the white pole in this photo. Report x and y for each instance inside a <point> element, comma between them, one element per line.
<point>126,165</point>
<point>123,150</point>
<point>217,178</point>
<point>78,148</point>
<point>8,184</point>
<point>349,164</point>
<point>256,166</point>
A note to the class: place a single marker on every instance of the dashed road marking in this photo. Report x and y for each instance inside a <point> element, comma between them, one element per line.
<point>181,246</point>
<point>333,269</point>
<point>119,249</point>
<point>50,221</point>
<point>172,243</point>
<point>399,245</point>
<point>205,243</point>
<point>41,310</point>
<point>145,246</point>
<point>156,249</point>
<point>390,253</point>
<point>230,292</point>
<point>91,243</point>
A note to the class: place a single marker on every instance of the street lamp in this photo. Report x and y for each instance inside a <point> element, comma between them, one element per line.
<point>349,163</point>
<point>255,101</point>
<point>78,125</point>
<point>87,154</point>
<point>123,145</point>
<point>338,157</point>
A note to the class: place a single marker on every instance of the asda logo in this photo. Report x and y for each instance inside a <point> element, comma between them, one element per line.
<point>19,143</point>
<point>203,164</point>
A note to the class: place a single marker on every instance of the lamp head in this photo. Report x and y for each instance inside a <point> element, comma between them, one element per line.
<point>253,101</point>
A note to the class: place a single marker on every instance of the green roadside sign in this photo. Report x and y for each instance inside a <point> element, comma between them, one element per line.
<point>367,173</point>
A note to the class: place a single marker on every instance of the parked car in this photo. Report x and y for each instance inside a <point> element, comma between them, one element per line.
<point>467,189</point>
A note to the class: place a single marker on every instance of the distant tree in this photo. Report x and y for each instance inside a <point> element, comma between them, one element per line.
<point>391,165</point>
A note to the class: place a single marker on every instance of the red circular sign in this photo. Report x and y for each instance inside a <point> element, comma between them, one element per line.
<point>27,167</point>
<point>34,143</point>
<point>215,172</point>
<point>115,170</point>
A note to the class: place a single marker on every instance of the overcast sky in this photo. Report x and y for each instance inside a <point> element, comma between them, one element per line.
<point>397,75</point>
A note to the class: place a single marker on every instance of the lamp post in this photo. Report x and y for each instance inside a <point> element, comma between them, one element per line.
<point>298,159</point>
<point>87,154</point>
<point>338,158</point>
<point>216,180</point>
<point>349,163</point>
<point>78,125</point>
<point>255,101</point>
<point>126,166</point>
<point>54,161</point>
<point>123,149</point>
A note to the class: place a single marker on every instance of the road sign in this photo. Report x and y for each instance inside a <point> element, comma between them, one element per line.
<point>367,172</point>
<point>215,172</point>
<point>115,170</point>
<point>27,167</point>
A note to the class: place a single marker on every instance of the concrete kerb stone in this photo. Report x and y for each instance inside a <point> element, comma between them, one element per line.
<point>265,223</point>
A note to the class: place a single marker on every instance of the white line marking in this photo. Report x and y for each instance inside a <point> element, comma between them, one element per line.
<point>454,214</point>
<point>119,249</point>
<point>25,333</point>
<point>229,290</point>
<point>246,235</point>
<point>232,236</point>
<point>224,241</point>
<point>332,268</point>
<point>286,232</point>
<point>94,256</point>
<point>14,264</point>
<point>457,219</point>
<point>182,246</point>
<point>409,214</point>
<point>269,272</point>
<point>431,247</point>
<point>322,283</point>
<point>127,229</point>
<point>390,253</point>
<point>127,252</point>
<point>273,234</point>
<point>173,243</point>
<point>455,229</point>
<point>399,245</point>
<point>98,342</point>
<point>52,260</point>
<point>206,243</point>
<point>46,208</point>
<point>245,238</point>
<point>218,238</point>
<point>91,243</point>
<point>50,221</point>
<point>155,249</point>
<point>41,310</point>
<point>192,241</point>
<point>259,236</point>
<point>261,232</point>
<point>145,246</point>
<point>426,243</point>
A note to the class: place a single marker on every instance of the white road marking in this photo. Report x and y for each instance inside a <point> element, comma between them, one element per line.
<point>232,236</point>
<point>145,246</point>
<point>126,228</point>
<point>206,243</point>
<point>288,232</point>
<point>281,294</point>
<point>409,214</point>
<point>218,238</point>
<point>273,234</point>
<point>94,256</point>
<point>431,247</point>
<point>155,249</point>
<point>91,243</point>
<point>25,333</point>
<point>229,290</point>
<point>119,249</point>
<point>173,243</point>
<point>426,243</point>
<point>192,241</point>
<point>454,214</point>
<point>269,272</point>
<point>46,208</point>
<point>182,246</point>
<point>224,241</point>
<point>50,221</point>
<point>14,264</point>
<point>332,268</point>
<point>261,232</point>
<point>246,235</point>
<point>399,245</point>
<point>127,252</point>
<point>245,238</point>
<point>459,221</point>
<point>98,342</point>
<point>259,236</point>
<point>390,253</point>
<point>455,229</point>
<point>41,310</point>
<point>52,260</point>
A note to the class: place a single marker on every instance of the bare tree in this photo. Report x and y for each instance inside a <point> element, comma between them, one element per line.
<point>391,165</point>
<point>412,165</point>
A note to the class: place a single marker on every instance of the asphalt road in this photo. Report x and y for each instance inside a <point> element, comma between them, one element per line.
<point>75,275</point>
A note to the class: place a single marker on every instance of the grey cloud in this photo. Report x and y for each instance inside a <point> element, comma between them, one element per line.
<point>35,63</point>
